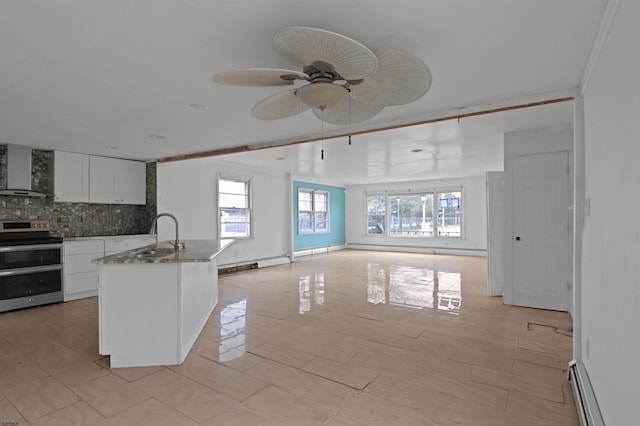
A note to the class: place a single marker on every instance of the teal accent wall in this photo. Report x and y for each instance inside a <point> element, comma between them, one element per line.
<point>336,236</point>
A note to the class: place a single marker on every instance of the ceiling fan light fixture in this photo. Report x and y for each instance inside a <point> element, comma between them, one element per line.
<point>321,95</point>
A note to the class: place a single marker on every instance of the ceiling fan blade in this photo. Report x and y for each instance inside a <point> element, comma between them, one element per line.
<point>259,77</point>
<point>343,113</point>
<point>401,78</point>
<point>280,105</point>
<point>303,46</point>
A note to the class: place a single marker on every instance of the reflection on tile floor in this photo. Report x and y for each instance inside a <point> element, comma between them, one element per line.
<point>346,338</point>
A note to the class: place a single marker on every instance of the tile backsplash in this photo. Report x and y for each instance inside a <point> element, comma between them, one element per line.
<point>76,219</point>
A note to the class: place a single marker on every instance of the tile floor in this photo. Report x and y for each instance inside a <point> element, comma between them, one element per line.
<point>347,338</point>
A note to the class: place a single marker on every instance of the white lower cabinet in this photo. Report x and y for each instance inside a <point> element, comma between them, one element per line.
<point>81,277</point>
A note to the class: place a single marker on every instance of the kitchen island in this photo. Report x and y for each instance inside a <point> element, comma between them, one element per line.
<point>154,301</point>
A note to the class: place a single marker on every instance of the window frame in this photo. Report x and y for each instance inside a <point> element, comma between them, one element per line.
<point>313,212</point>
<point>390,199</point>
<point>249,210</point>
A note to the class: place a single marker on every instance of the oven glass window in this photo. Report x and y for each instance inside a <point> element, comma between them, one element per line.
<point>27,258</point>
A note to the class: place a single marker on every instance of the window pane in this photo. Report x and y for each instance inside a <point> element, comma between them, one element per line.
<point>304,201</point>
<point>376,214</point>
<point>320,202</point>
<point>305,221</point>
<point>375,224</point>
<point>321,222</point>
<point>237,201</point>
<point>234,223</point>
<point>376,205</point>
<point>449,214</point>
<point>232,187</point>
<point>411,215</point>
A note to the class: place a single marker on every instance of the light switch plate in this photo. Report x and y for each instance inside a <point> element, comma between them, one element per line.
<point>587,207</point>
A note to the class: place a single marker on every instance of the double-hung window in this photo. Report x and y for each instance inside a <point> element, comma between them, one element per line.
<point>313,211</point>
<point>234,207</point>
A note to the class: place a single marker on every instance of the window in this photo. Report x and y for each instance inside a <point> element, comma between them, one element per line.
<point>449,214</point>
<point>313,211</point>
<point>411,215</point>
<point>427,214</point>
<point>234,208</point>
<point>376,214</point>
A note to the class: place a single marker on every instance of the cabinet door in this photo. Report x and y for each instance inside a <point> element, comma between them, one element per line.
<point>115,245</point>
<point>81,283</point>
<point>89,246</point>
<point>71,177</point>
<point>102,179</point>
<point>131,182</point>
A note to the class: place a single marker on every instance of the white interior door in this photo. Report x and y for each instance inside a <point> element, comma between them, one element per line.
<point>541,230</point>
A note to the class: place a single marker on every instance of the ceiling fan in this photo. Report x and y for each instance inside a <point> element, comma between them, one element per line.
<point>346,82</point>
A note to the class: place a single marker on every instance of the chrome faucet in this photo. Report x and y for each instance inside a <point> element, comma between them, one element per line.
<point>176,245</point>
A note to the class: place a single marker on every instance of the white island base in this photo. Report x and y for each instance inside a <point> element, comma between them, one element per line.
<point>152,313</point>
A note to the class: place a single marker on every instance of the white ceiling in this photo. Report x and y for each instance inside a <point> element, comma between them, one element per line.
<point>81,76</point>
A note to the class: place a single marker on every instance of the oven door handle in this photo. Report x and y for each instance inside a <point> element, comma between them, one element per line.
<point>30,270</point>
<point>30,247</point>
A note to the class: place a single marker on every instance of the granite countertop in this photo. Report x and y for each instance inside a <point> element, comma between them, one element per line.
<point>102,237</point>
<point>194,251</point>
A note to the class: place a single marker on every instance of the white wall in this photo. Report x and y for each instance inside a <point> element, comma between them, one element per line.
<point>610,276</point>
<point>474,205</point>
<point>187,189</point>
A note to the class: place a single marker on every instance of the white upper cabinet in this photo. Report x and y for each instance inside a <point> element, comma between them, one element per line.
<point>71,177</point>
<point>102,180</point>
<point>115,181</point>
<point>131,182</point>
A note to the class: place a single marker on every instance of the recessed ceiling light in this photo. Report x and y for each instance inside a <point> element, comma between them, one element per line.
<point>416,150</point>
<point>199,107</point>
<point>280,158</point>
<point>111,147</point>
<point>157,137</point>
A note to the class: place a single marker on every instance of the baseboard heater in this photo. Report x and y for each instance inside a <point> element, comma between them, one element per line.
<point>227,270</point>
<point>586,402</point>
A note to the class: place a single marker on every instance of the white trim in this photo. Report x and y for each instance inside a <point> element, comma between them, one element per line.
<point>273,261</point>
<point>319,250</point>
<point>422,250</point>
<point>603,32</point>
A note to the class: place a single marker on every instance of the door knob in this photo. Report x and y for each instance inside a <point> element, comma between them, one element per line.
<point>517,238</point>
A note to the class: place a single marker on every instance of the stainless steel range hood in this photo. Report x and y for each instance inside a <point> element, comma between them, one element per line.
<point>18,172</point>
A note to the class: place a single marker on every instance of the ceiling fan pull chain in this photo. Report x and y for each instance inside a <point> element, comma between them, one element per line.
<point>349,94</point>
<point>322,132</point>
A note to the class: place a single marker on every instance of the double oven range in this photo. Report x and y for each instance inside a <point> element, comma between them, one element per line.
<point>31,265</point>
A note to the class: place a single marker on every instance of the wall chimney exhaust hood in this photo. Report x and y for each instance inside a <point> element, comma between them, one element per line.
<point>18,172</point>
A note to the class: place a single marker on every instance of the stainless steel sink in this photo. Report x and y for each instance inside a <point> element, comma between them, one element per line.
<point>155,252</point>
